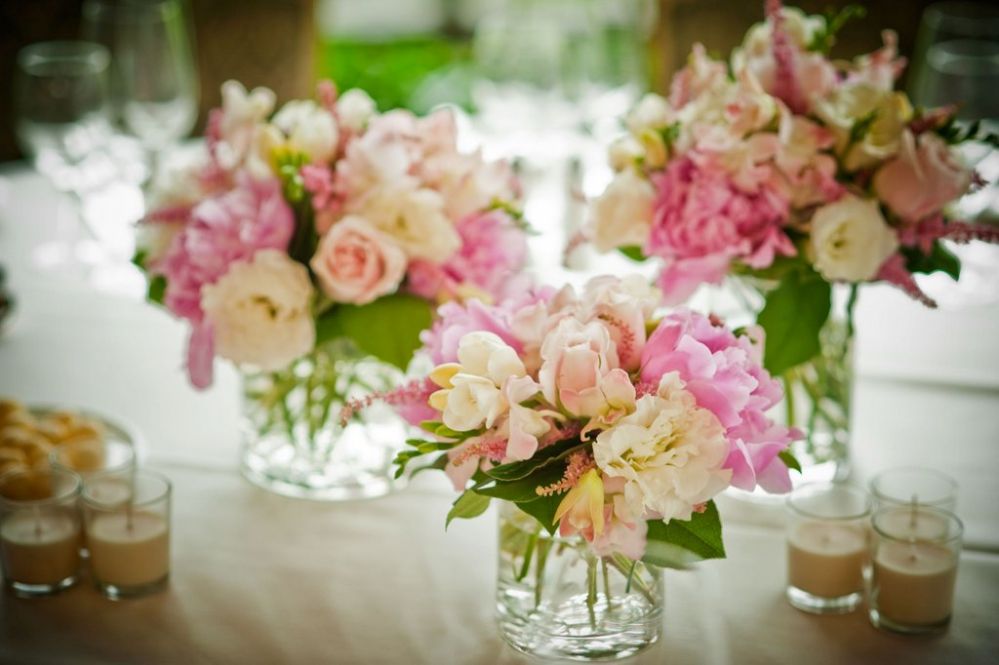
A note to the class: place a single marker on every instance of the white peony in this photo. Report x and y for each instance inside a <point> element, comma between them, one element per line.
<point>850,239</point>
<point>622,215</point>
<point>260,311</point>
<point>309,128</point>
<point>669,452</point>
<point>354,108</point>
<point>413,217</point>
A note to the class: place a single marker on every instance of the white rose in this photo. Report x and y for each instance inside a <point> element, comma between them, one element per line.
<point>260,311</point>
<point>850,239</point>
<point>622,215</point>
<point>310,129</point>
<point>413,217</point>
<point>354,108</point>
<point>669,452</point>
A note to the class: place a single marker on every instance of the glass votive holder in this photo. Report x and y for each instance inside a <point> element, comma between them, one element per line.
<point>39,530</point>
<point>127,521</point>
<point>914,568</point>
<point>905,485</point>
<point>827,547</point>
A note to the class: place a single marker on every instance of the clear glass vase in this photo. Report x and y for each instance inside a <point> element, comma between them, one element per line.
<point>556,598</point>
<point>817,392</point>
<point>293,442</point>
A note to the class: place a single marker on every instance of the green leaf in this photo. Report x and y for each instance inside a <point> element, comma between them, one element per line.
<point>157,289</point>
<point>388,328</point>
<point>523,489</point>
<point>939,259</point>
<point>792,317</point>
<point>468,505</point>
<point>678,544</point>
<point>633,252</point>
<point>549,455</point>
<point>543,510</point>
<point>790,461</point>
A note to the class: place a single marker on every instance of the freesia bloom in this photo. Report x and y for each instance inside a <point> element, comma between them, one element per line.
<point>669,451</point>
<point>702,222</point>
<point>260,311</point>
<point>850,239</point>
<point>724,373</point>
<point>622,215</point>
<point>923,177</point>
<point>356,263</point>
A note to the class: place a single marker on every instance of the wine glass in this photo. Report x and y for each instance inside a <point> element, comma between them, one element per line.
<point>62,122</point>
<point>155,79</point>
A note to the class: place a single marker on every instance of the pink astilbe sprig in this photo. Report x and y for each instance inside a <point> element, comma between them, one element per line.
<point>493,449</point>
<point>785,83</point>
<point>932,119</point>
<point>924,234</point>
<point>627,342</point>
<point>415,392</point>
<point>895,273</point>
<point>560,432</point>
<point>327,93</point>
<point>579,463</point>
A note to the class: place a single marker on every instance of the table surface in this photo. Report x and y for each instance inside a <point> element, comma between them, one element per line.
<point>258,578</point>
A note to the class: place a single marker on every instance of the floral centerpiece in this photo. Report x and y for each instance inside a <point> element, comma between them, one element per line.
<point>302,245</point>
<point>605,430</point>
<point>794,173</point>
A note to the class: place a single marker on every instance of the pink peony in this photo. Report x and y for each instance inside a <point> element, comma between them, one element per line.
<point>922,179</point>
<point>724,373</point>
<point>223,230</point>
<point>492,250</point>
<point>356,263</point>
<point>702,222</point>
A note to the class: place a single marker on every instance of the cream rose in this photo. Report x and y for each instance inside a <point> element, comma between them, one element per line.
<point>622,215</point>
<point>357,263</point>
<point>850,239</point>
<point>260,311</point>
<point>924,177</point>
<point>414,218</point>
<point>309,128</point>
<point>669,453</point>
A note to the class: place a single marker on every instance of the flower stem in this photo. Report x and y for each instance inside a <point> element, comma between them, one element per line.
<point>591,588</point>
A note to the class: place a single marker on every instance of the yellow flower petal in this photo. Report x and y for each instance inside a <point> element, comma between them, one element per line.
<point>441,375</point>
<point>438,400</point>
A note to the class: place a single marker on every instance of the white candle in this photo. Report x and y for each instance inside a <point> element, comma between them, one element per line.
<point>914,582</point>
<point>110,492</point>
<point>40,547</point>
<point>129,551</point>
<point>913,524</point>
<point>826,559</point>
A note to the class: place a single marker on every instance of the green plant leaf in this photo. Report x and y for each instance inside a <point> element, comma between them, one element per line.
<point>939,259</point>
<point>470,504</point>
<point>633,252</point>
<point>523,489</point>
<point>678,544</point>
<point>549,455</point>
<point>792,317</point>
<point>388,328</point>
<point>789,460</point>
<point>543,510</point>
<point>157,289</point>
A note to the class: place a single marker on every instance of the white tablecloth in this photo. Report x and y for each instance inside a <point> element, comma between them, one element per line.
<point>259,578</point>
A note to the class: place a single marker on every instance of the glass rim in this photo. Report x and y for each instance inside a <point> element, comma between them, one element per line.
<point>74,491</point>
<point>978,22</point>
<point>829,485</point>
<point>923,508</point>
<point>164,495</point>
<point>119,468</point>
<point>80,50</point>
<point>949,481</point>
<point>130,11</point>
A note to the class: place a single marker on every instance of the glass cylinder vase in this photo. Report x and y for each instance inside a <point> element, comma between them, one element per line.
<point>293,441</point>
<point>556,598</point>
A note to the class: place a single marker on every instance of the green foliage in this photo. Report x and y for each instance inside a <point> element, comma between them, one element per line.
<point>157,289</point>
<point>470,504</point>
<point>543,510</point>
<point>825,38</point>
<point>677,544</point>
<point>955,131</point>
<point>633,252</point>
<point>522,489</point>
<point>939,259</point>
<point>388,328</point>
<point>789,460</point>
<point>792,317</point>
<point>546,456</point>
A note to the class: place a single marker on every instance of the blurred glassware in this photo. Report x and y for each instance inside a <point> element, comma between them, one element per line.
<point>154,79</point>
<point>956,61</point>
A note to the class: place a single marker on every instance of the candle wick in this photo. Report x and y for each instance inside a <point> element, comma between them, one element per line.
<point>912,511</point>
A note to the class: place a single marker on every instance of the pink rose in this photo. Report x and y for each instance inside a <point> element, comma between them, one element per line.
<point>356,263</point>
<point>923,177</point>
<point>724,372</point>
<point>703,221</point>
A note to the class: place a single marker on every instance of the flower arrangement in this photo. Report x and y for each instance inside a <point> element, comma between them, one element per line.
<point>785,165</point>
<point>598,418</point>
<point>326,221</point>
